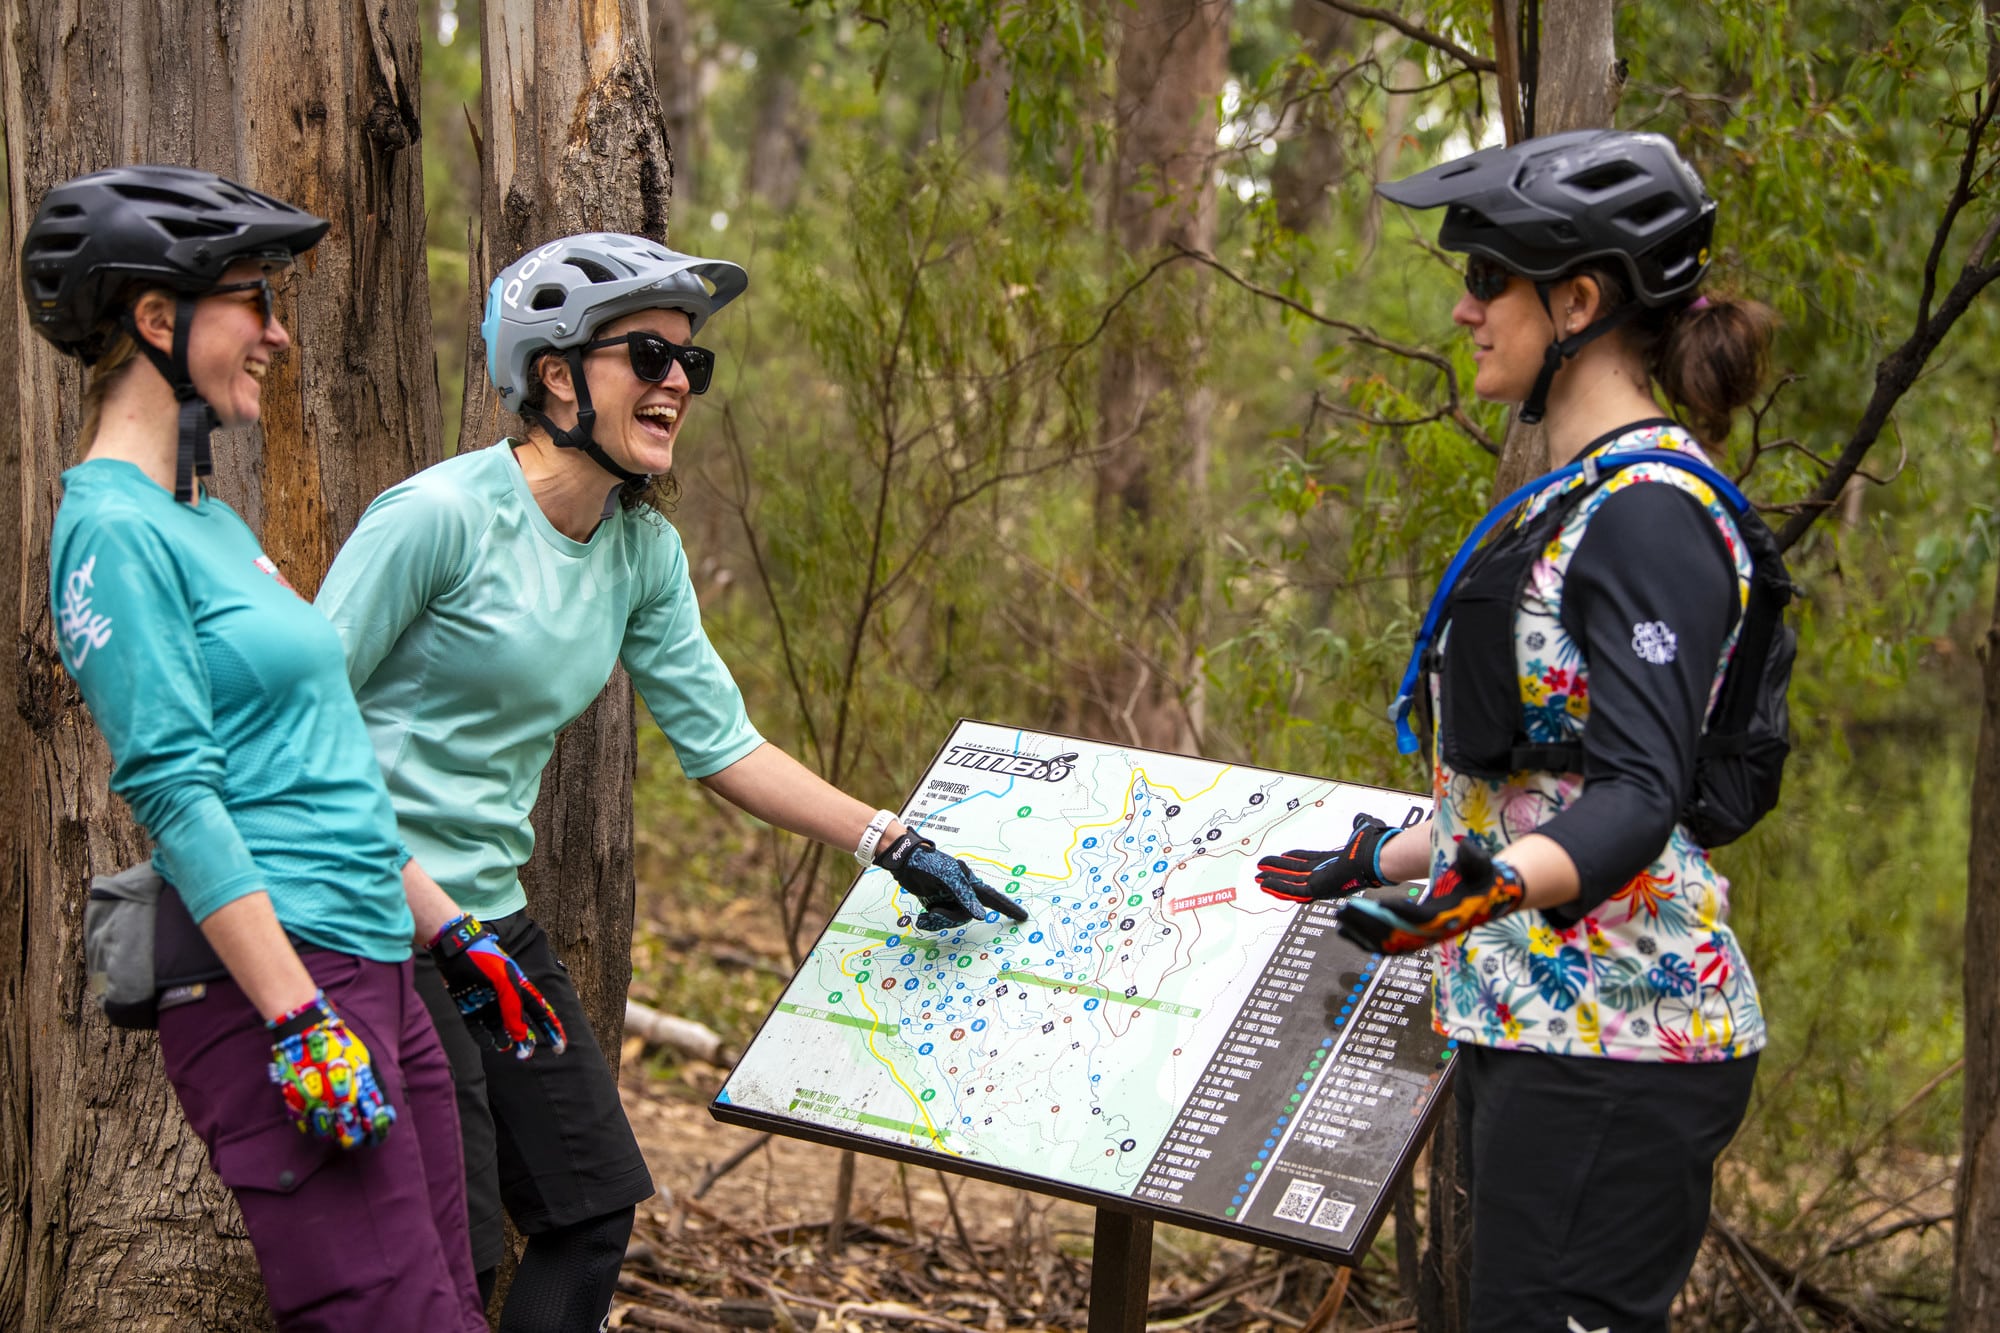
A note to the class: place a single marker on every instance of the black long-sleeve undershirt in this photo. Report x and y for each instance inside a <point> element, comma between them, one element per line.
<point>1651,558</point>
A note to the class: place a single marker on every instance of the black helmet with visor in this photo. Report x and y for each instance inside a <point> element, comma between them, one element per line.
<point>97,235</point>
<point>1545,206</point>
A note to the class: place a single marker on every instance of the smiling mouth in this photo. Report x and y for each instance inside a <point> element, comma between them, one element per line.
<point>256,370</point>
<point>659,418</point>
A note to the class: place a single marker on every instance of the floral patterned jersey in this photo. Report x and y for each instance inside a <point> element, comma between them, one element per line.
<point>1651,973</point>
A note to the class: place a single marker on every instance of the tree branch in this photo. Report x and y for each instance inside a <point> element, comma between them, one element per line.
<point>1435,41</point>
<point>1900,369</point>
<point>1364,335</point>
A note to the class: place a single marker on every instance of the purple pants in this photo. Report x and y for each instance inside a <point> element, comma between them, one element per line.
<point>368,1241</point>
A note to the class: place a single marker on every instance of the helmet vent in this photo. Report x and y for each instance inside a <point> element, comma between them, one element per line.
<point>1602,179</point>
<point>547,298</point>
<point>54,245</point>
<point>185,228</point>
<point>594,271</point>
<point>1651,212</point>
<point>151,195</point>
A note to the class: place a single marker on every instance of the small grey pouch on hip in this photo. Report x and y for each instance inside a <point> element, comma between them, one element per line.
<point>118,944</point>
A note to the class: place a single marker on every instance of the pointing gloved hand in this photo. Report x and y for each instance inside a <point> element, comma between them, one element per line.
<point>493,992</point>
<point>1304,877</point>
<point>324,1073</point>
<point>1475,890</point>
<point>951,894</point>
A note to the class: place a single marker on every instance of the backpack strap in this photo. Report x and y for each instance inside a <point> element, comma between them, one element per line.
<point>1594,470</point>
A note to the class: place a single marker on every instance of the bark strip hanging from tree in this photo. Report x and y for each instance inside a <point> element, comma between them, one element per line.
<point>109,1214</point>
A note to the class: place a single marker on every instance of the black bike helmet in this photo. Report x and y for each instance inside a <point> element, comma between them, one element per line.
<point>172,227</point>
<point>1546,205</point>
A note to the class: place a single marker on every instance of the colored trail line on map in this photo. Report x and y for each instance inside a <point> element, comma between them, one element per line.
<point>833,1016</point>
<point>929,1130</point>
<point>1103,993</point>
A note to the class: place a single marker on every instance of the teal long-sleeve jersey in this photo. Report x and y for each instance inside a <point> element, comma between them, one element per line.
<point>224,698</point>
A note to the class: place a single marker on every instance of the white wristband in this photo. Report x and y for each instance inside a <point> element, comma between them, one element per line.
<point>864,851</point>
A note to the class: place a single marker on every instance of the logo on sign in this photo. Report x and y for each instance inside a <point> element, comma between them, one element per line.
<point>1053,768</point>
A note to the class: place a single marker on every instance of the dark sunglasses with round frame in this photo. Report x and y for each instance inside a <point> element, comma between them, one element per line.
<point>1486,278</point>
<point>653,358</point>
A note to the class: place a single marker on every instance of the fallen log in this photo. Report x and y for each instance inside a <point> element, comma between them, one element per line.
<point>683,1036</point>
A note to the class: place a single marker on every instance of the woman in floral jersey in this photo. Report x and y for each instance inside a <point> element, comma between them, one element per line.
<point>1608,1026</point>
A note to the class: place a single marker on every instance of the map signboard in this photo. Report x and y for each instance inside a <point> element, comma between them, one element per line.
<point>1159,1036</point>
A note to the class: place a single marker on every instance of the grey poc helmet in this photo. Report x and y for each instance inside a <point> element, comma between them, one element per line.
<point>556,297</point>
<point>1543,206</point>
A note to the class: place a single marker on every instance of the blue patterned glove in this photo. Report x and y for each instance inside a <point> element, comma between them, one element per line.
<point>951,894</point>
<point>324,1073</point>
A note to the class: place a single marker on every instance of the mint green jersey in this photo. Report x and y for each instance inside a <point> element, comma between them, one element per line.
<point>475,632</point>
<point>222,696</point>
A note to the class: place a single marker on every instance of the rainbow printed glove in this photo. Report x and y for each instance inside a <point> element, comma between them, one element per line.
<point>323,1071</point>
<point>1475,890</point>
<point>493,992</point>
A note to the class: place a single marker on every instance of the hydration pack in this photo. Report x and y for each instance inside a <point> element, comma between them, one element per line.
<point>1740,761</point>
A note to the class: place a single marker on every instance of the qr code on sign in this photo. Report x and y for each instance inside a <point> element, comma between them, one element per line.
<point>1333,1215</point>
<point>1297,1205</point>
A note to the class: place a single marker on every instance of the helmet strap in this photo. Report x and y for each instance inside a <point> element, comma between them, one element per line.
<point>193,456</point>
<point>583,434</point>
<point>1562,349</point>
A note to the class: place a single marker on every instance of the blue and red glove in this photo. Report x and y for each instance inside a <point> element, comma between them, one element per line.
<point>492,991</point>
<point>324,1074</point>
<point>1304,877</point>
<point>1476,889</point>
<point>951,894</point>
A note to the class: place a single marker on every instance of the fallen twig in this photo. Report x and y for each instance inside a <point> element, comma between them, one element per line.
<point>728,1164</point>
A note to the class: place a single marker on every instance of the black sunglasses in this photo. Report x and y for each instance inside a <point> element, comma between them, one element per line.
<point>267,293</point>
<point>653,358</point>
<point>1486,278</point>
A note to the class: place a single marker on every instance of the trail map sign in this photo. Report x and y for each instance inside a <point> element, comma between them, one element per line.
<point>1159,1036</point>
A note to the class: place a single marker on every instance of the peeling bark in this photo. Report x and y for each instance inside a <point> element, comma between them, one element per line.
<point>109,1214</point>
<point>575,142</point>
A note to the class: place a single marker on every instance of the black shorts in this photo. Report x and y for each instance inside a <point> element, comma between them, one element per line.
<point>545,1138</point>
<point>1590,1183</point>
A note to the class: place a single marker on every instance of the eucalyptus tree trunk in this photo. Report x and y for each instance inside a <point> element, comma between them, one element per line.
<point>109,1214</point>
<point>1575,86</point>
<point>1312,159</point>
<point>983,107</point>
<point>1975,1288</point>
<point>573,142</point>
<point>1153,411</point>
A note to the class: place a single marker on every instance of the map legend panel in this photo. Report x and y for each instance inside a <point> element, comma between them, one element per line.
<point>1159,1034</point>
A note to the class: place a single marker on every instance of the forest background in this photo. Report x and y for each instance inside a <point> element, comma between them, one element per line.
<point>1083,383</point>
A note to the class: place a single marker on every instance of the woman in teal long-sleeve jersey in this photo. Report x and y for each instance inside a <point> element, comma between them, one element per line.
<point>236,741</point>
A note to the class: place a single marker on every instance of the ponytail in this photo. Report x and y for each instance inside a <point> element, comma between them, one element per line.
<point>1712,360</point>
<point>1709,356</point>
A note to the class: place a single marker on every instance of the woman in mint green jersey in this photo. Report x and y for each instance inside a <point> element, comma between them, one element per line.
<point>483,604</point>
<point>237,744</point>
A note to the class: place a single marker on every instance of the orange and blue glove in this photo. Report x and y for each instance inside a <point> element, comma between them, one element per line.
<point>323,1072</point>
<point>951,894</point>
<point>1304,877</point>
<point>491,990</point>
<point>1476,889</point>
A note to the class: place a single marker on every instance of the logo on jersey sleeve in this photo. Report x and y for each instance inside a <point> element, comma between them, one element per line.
<point>1654,642</point>
<point>81,629</point>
